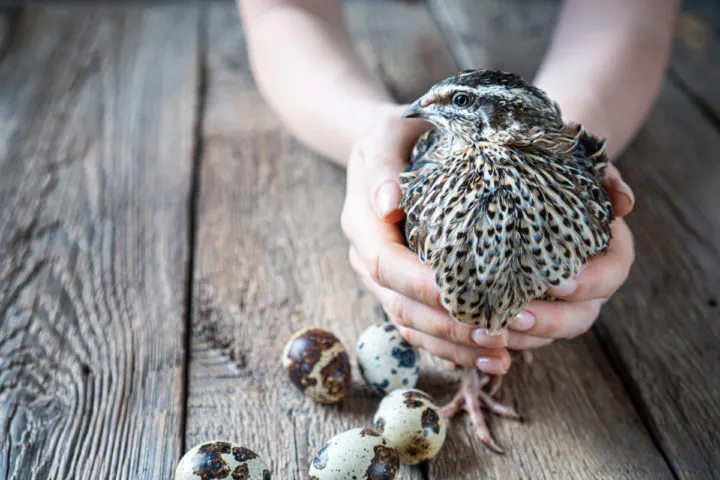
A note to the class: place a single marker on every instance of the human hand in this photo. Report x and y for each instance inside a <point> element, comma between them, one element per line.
<point>542,322</point>
<point>406,287</point>
<point>403,284</point>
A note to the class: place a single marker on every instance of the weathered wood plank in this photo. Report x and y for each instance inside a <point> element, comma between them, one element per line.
<point>695,63</point>
<point>271,259</point>
<point>667,347</point>
<point>97,108</point>
<point>662,328</point>
<point>497,34</point>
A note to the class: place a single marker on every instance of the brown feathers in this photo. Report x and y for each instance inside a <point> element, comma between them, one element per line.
<point>505,216</point>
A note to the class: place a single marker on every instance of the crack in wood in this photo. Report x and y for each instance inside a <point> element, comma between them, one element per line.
<point>193,205</point>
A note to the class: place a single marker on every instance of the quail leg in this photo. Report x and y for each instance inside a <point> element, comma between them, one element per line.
<point>475,395</point>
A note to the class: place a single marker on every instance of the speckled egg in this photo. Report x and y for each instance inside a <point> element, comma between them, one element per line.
<point>412,424</point>
<point>386,360</point>
<point>221,460</point>
<point>360,453</point>
<point>318,364</point>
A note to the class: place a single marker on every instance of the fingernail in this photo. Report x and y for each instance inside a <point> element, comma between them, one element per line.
<point>565,288</point>
<point>490,365</point>
<point>624,189</point>
<point>387,198</point>
<point>481,337</point>
<point>523,321</point>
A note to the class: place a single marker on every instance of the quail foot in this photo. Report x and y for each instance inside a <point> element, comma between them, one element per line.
<point>503,200</point>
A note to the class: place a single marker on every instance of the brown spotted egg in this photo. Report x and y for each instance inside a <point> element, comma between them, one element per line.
<point>221,460</point>
<point>386,360</point>
<point>412,424</point>
<point>318,364</point>
<point>360,453</point>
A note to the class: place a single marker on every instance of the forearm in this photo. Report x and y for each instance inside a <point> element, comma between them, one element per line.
<point>303,61</point>
<point>606,64</point>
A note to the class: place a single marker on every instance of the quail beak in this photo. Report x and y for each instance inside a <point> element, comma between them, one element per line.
<point>418,109</point>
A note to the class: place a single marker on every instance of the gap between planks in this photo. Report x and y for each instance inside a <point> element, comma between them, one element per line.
<point>192,207</point>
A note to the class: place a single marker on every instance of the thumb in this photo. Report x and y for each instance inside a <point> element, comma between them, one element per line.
<point>621,195</point>
<point>383,171</point>
<point>386,198</point>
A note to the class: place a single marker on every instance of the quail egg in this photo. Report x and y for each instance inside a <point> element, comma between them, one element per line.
<point>221,460</point>
<point>412,424</point>
<point>318,364</point>
<point>357,453</point>
<point>386,360</point>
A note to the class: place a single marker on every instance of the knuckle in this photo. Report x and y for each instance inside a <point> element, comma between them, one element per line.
<point>582,329</point>
<point>396,306</point>
<point>359,153</point>
<point>426,292</point>
<point>583,324</point>
<point>407,334</point>
<point>449,329</point>
<point>376,270</point>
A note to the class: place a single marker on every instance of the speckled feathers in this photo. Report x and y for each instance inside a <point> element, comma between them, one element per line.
<point>509,207</point>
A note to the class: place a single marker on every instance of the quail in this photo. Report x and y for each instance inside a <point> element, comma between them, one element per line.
<point>502,200</point>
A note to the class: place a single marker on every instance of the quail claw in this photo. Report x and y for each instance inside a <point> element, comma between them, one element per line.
<point>476,394</point>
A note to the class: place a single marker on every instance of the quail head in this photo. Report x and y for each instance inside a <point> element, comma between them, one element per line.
<point>503,200</point>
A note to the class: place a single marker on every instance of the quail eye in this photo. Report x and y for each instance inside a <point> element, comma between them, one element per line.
<point>461,100</point>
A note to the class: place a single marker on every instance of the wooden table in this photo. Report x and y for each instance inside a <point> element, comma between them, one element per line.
<point>162,235</point>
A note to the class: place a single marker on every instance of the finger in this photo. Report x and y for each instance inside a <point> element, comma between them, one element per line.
<point>621,195</point>
<point>389,262</point>
<point>524,341</point>
<point>387,201</point>
<point>382,162</point>
<point>381,247</point>
<point>493,361</point>
<point>522,322</point>
<point>490,360</point>
<point>562,319</point>
<point>398,269</point>
<point>413,314</point>
<point>362,227</point>
<point>603,274</point>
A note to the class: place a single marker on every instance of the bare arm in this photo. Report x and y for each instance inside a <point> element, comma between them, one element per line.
<point>307,70</point>
<point>606,63</point>
<point>305,66</point>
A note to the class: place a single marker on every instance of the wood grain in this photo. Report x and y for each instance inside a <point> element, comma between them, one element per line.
<point>97,108</point>
<point>663,327</point>
<point>695,65</point>
<point>271,259</point>
<point>508,35</point>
